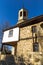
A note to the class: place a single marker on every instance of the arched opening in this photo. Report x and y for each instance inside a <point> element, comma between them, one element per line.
<point>9,49</point>
<point>41,25</point>
<point>20,13</point>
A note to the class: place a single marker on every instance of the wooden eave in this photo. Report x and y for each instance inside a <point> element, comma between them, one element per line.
<point>29,22</point>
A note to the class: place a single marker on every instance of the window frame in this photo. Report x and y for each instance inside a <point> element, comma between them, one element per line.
<point>36,47</point>
<point>33,29</point>
<point>10,33</point>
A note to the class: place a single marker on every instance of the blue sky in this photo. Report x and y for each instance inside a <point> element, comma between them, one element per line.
<point>9,9</point>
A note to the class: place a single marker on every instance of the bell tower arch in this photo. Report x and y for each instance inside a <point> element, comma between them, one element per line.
<point>22,15</point>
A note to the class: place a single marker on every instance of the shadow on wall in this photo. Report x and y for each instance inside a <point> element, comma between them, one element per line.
<point>12,60</point>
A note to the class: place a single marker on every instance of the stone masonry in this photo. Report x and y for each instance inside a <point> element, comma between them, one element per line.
<point>25,44</point>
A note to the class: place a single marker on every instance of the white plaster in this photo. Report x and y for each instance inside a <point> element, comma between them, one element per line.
<point>15,36</point>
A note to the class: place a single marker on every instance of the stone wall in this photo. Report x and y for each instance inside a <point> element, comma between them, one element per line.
<point>24,47</point>
<point>25,44</point>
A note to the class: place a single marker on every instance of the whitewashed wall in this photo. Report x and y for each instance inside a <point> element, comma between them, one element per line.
<point>15,36</point>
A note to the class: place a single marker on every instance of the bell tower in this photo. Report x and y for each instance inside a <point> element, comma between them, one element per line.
<point>22,15</point>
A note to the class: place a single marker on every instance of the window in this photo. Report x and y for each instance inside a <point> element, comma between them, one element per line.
<point>24,13</point>
<point>41,25</point>
<point>10,33</point>
<point>20,13</point>
<point>33,29</point>
<point>35,46</point>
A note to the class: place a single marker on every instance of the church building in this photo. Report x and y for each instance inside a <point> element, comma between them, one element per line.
<point>26,37</point>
